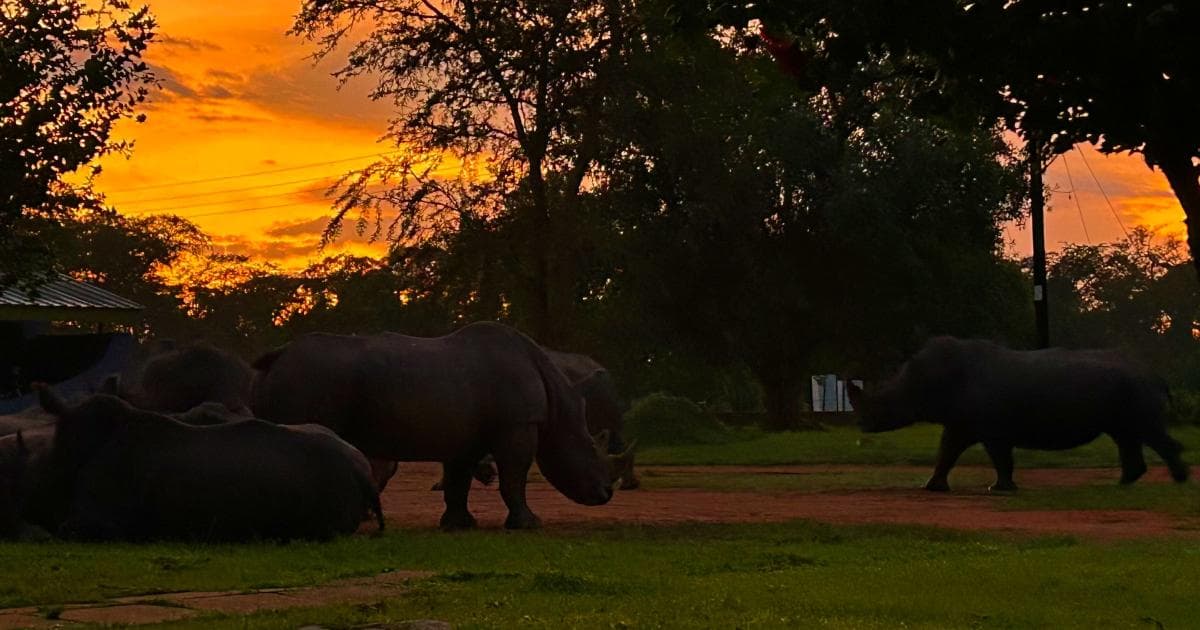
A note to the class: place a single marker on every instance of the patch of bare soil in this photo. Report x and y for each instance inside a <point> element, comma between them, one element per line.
<point>408,502</point>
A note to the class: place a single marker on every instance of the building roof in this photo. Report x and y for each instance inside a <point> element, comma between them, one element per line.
<point>66,299</point>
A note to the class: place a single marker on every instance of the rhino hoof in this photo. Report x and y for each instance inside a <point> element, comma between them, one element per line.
<point>631,483</point>
<point>454,522</point>
<point>527,520</point>
<point>438,486</point>
<point>937,485</point>
<point>1006,486</point>
<point>1180,473</point>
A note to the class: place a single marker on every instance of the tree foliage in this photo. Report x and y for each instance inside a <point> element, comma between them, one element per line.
<point>69,71</point>
<point>496,104</point>
<point>1119,75</point>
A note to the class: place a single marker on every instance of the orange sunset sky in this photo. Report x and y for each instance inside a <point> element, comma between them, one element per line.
<point>247,134</point>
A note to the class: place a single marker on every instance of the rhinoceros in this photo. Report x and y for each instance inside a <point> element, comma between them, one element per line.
<point>485,388</point>
<point>175,380</point>
<point>1053,399</point>
<point>120,473</point>
<point>23,456</point>
<point>604,409</point>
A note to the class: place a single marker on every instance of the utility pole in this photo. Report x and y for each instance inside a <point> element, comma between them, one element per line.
<point>1037,209</point>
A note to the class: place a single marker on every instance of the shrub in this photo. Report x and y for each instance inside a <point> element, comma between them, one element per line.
<point>665,420</point>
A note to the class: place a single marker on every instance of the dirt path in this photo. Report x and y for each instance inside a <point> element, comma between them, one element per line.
<point>409,503</point>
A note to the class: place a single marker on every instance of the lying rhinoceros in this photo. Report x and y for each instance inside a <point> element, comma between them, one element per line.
<point>175,380</point>
<point>120,473</point>
<point>1052,399</point>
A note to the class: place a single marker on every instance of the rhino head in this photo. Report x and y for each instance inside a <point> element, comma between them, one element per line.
<point>884,410</point>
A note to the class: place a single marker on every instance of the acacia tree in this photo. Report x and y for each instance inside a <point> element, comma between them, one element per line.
<point>1119,75</point>
<point>774,228</point>
<point>69,71</point>
<point>506,94</point>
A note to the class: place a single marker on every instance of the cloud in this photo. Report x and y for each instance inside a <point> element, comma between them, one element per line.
<point>224,75</point>
<point>306,227</point>
<point>295,250</point>
<point>186,43</point>
<point>172,85</point>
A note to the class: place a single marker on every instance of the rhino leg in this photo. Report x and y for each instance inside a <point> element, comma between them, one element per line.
<point>1133,462</point>
<point>1169,449</point>
<point>456,482</point>
<point>1002,460</point>
<point>950,448</point>
<point>514,457</point>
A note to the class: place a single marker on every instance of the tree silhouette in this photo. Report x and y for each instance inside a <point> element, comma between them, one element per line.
<point>504,93</point>
<point>69,71</point>
<point>1120,75</point>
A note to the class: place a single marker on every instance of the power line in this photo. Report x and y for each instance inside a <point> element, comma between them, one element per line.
<point>224,212</point>
<point>224,192</point>
<point>1104,194</point>
<point>1078,206</point>
<point>173,209</point>
<point>253,174</point>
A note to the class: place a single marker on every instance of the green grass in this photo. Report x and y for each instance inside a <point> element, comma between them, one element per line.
<point>846,445</point>
<point>1168,498</point>
<point>779,575</point>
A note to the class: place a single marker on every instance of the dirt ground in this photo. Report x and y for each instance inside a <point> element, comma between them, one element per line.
<point>409,503</point>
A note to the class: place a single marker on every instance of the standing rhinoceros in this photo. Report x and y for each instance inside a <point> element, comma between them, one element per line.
<point>1052,399</point>
<point>485,388</point>
<point>120,473</point>
<point>175,380</point>
<point>604,409</point>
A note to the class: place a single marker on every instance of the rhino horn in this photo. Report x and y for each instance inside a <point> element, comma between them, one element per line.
<point>22,450</point>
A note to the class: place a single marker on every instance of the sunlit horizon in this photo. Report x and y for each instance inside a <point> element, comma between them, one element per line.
<point>247,134</point>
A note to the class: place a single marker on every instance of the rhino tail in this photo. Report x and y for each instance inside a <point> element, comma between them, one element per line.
<point>378,509</point>
<point>374,506</point>
<point>264,362</point>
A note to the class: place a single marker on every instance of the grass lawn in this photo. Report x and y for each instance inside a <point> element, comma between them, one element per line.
<point>913,445</point>
<point>778,575</point>
<point>796,574</point>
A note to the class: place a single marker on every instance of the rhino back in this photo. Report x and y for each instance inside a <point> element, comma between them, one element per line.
<point>1053,398</point>
<point>238,481</point>
<point>401,397</point>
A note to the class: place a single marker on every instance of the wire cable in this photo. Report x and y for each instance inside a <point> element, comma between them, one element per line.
<point>225,191</point>
<point>1078,206</point>
<point>253,174</point>
<point>1104,194</point>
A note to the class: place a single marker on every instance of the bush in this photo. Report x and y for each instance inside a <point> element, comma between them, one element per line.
<point>1185,407</point>
<point>665,420</point>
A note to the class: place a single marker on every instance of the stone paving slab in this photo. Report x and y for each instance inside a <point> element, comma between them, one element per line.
<point>146,609</point>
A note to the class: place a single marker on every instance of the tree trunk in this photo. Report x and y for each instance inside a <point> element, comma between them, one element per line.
<point>1185,182</point>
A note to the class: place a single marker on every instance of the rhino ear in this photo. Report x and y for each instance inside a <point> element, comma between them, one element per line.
<point>600,441</point>
<point>50,400</point>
